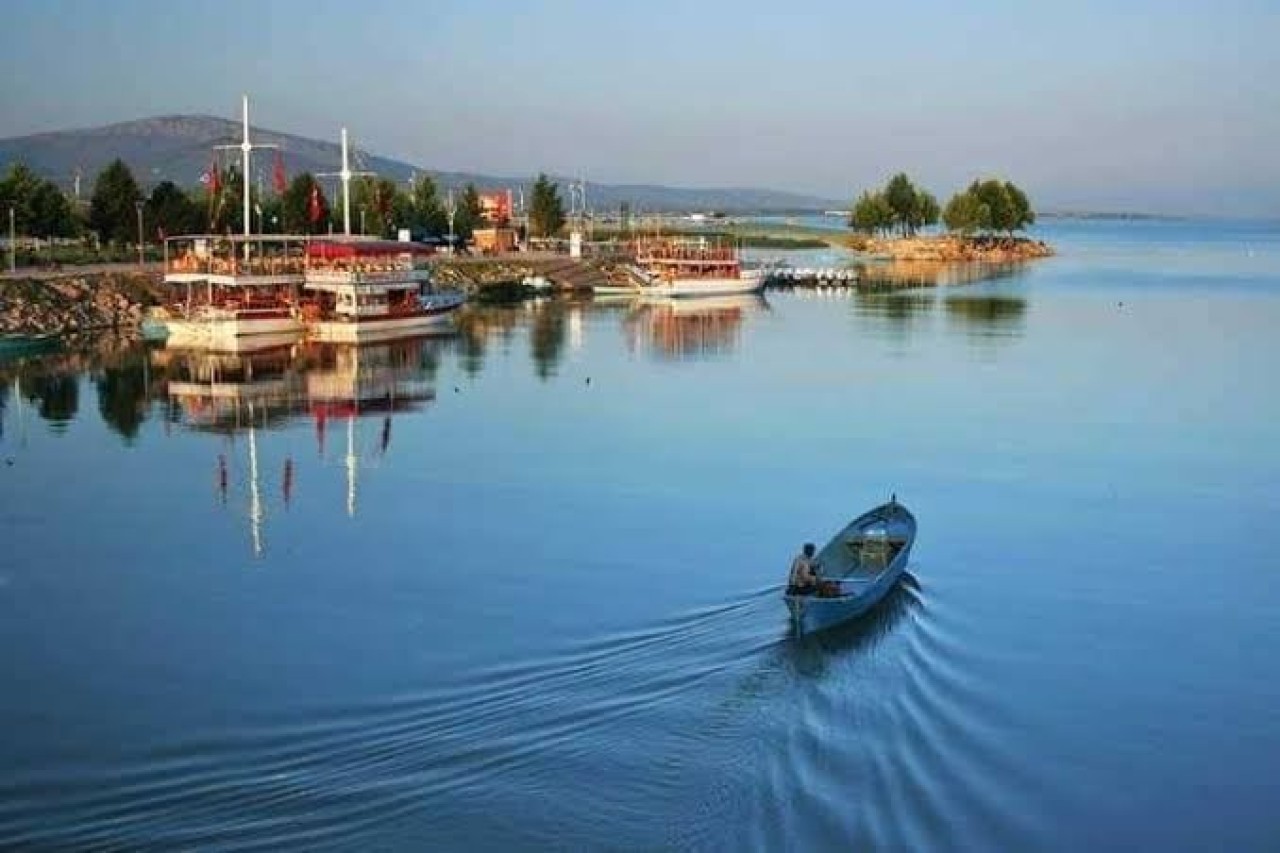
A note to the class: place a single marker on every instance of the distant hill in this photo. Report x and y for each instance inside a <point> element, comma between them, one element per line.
<point>179,149</point>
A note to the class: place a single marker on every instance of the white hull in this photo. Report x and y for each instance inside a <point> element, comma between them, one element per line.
<point>750,281</point>
<point>372,331</point>
<point>230,333</point>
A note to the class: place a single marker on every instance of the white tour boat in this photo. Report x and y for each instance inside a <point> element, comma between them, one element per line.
<point>360,290</point>
<point>676,267</point>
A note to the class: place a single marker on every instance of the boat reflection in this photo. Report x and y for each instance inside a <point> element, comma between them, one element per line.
<point>274,389</point>
<point>689,329</point>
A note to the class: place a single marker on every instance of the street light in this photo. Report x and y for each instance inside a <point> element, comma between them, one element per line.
<point>138,205</point>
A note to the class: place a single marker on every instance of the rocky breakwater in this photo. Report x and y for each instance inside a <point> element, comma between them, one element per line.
<point>76,302</point>
<point>951,249</point>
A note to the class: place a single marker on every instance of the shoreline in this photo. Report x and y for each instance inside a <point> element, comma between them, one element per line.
<point>76,301</point>
<point>954,249</point>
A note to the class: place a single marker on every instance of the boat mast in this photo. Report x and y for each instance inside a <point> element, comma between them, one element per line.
<point>346,186</point>
<point>346,174</point>
<point>245,148</point>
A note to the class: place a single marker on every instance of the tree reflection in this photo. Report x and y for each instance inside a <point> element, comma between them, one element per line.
<point>547,339</point>
<point>987,311</point>
<point>122,393</point>
<point>56,395</point>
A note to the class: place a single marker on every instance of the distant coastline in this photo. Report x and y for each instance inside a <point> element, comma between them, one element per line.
<point>1123,215</point>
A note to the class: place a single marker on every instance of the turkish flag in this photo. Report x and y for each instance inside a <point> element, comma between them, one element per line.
<point>277,174</point>
<point>313,205</point>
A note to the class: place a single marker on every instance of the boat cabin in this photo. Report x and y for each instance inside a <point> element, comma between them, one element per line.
<point>353,279</point>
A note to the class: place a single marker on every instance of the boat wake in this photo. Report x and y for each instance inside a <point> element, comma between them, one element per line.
<point>503,734</point>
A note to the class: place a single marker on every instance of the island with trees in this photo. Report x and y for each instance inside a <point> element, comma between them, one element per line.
<point>980,223</point>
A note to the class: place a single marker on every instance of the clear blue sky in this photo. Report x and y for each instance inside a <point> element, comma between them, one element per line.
<point>1137,105</point>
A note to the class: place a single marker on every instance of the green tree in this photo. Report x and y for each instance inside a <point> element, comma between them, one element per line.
<point>383,206</point>
<point>993,194</point>
<point>871,213</point>
<point>1023,215</point>
<point>966,214</point>
<point>468,216</point>
<point>426,208</point>
<point>113,207</point>
<point>546,209</point>
<point>51,212</point>
<point>169,210</point>
<point>900,194</point>
<point>298,215</point>
<point>989,205</point>
<point>926,210</point>
<point>40,209</point>
<point>17,191</point>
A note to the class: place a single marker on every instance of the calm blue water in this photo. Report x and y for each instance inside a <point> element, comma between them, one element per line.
<point>518,588</point>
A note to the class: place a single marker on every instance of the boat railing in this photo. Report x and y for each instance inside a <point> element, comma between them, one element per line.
<point>192,264</point>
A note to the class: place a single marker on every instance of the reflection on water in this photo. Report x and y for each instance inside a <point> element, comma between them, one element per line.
<point>690,329</point>
<point>987,315</point>
<point>900,274</point>
<point>49,385</point>
<point>555,620</point>
<point>327,384</point>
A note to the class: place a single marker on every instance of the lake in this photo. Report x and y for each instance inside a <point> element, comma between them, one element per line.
<point>519,587</point>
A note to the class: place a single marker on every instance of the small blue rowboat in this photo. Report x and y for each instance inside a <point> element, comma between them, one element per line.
<point>858,566</point>
<point>17,345</point>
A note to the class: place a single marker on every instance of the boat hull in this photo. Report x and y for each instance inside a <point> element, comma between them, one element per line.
<point>859,591</point>
<point>368,330</point>
<point>16,345</point>
<point>750,281</point>
<point>225,333</point>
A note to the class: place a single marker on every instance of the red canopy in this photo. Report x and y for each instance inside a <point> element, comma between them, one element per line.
<point>331,249</point>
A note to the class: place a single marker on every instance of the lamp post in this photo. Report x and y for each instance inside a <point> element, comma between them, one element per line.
<point>451,208</point>
<point>138,205</point>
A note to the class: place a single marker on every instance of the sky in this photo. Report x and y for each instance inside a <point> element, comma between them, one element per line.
<point>1142,106</point>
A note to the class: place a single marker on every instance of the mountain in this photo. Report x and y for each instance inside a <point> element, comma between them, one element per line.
<point>180,149</point>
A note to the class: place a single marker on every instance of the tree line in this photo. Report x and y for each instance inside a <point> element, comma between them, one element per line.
<point>986,206</point>
<point>379,207</point>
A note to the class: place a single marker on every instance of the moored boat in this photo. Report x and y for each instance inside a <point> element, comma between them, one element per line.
<point>236,287</point>
<point>14,345</point>
<point>361,290</point>
<point>858,566</point>
<point>229,287</point>
<point>674,267</point>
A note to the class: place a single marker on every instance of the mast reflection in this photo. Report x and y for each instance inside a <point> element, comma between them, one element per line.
<point>278,388</point>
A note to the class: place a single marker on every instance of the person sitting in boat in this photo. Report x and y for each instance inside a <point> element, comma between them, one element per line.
<point>804,578</point>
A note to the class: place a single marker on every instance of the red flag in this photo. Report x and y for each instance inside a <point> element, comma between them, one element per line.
<point>277,174</point>
<point>215,180</point>
<point>313,205</point>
